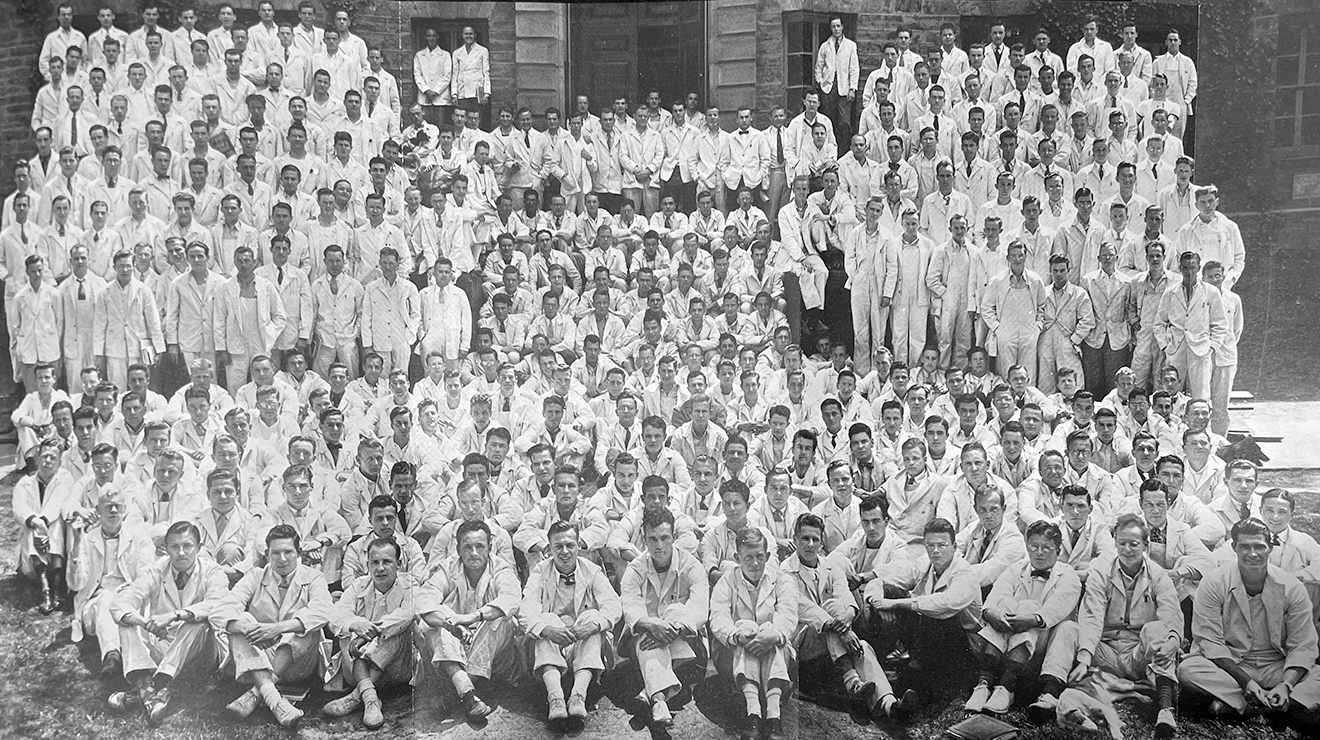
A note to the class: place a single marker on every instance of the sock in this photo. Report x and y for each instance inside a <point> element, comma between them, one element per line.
<point>1051,685</point>
<point>850,678</point>
<point>752,696</point>
<point>462,683</point>
<point>270,694</point>
<point>581,682</point>
<point>554,687</point>
<point>986,677</point>
<point>1012,672</point>
<point>886,702</point>
<point>772,695</point>
<point>367,690</point>
<point>1164,689</point>
<point>161,681</point>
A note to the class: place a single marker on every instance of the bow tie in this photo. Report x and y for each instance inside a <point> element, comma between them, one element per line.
<point>1042,573</point>
<point>1275,541</point>
<point>568,579</point>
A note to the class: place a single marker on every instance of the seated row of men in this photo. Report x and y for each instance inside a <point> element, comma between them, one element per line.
<point>825,574</point>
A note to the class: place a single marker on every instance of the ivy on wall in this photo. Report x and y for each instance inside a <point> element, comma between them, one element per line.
<point>1236,98</point>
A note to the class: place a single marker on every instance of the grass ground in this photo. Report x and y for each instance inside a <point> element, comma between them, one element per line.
<point>50,693</point>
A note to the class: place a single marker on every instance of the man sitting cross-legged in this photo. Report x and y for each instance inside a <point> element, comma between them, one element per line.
<point>468,605</point>
<point>274,618</point>
<point>1254,648</point>
<point>110,556</point>
<point>1028,600</point>
<point>569,610</point>
<point>665,606</point>
<point>163,621</point>
<point>826,611</point>
<point>373,620</point>
<point>1128,624</point>
<point>753,616</point>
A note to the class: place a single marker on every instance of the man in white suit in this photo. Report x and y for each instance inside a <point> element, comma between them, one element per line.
<point>836,75</point>
<point>1189,324</point>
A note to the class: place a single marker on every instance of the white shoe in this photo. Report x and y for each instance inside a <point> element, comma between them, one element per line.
<point>372,716</point>
<point>285,713</point>
<point>1166,723</point>
<point>343,706</point>
<point>1000,700</point>
<point>246,704</point>
<point>660,713</point>
<point>980,695</point>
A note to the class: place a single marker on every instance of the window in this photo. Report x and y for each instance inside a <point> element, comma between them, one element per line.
<point>804,31</point>
<point>1297,83</point>
<point>450,30</point>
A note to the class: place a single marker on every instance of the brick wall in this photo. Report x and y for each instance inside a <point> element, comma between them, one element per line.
<point>19,47</point>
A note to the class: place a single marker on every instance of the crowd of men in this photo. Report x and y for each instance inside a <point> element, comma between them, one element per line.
<point>553,419</point>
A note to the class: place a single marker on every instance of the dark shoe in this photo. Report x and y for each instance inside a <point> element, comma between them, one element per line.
<point>773,729</point>
<point>1043,710</point>
<point>122,701</point>
<point>1166,724</point>
<point>903,709</point>
<point>47,605</point>
<point>751,729</point>
<point>157,706</point>
<point>1220,710</point>
<point>475,707</point>
<point>112,666</point>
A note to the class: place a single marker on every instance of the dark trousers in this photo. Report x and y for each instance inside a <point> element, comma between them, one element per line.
<point>1099,366</point>
<point>839,109</point>
<point>684,193</point>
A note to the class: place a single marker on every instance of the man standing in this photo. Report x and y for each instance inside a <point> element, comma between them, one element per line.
<point>1105,348</point>
<point>127,329</point>
<point>871,260</point>
<point>470,84</point>
<point>1068,320</point>
<point>911,294</point>
<point>1012,307</point>
<point>836,76</point>
<point>1179,70</point>
<point>1189,324</point>
<point>1225,353</point>
<point>949,281</point>
<point>432,68</point>
<point>247,317</point>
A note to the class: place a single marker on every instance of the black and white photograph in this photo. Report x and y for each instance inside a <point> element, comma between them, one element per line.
<point>660,370</point>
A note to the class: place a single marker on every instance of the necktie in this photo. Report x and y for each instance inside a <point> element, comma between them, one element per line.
<point>334,285</point>
<point>969,168</point>
<point>119,127</point>
<point>669,222</point>
<point>1157,535</point>
<point>609,141</point>
<point>937,125</point>
<point>1102,172</point>
<point>96,238</point>
<point>1274,540</point>
<point>73,131</point>
<point>507,406</point>
<point>1041,573</point>
<point>779,145</point>
<point>22,233</point>
<point>1073,536</point>
<point>279,275</point>
<point>1022,101</point>
<point>251,190</point>
<point>98,100</point>
<point>61,227</point>
<point>371,108</point>
<point>286,55</point>
<point>985,545</point>
<point>403,519</point>
<point>82,290</point>
<point>527,139</point>
<point>568,579</point>
<point>999,55</point>
<point>221,521</point>
<point>180,580</point>
<point>1245,510</point>
<point>911,482</point>
<point>1155,172</point>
